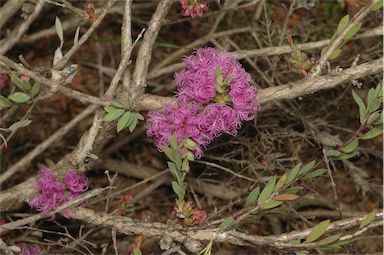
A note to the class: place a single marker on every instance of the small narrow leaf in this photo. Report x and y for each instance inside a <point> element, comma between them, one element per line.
<point>332,153</point>
<point>113,115</point>
<point>315,173</point>
<point>57,56</point>
<point>342,25</point>
<point>329,239</point>
<point>168,153</point>
<point>179,189</point>
<point>173,169</point>
<point>293,190</point>
<point>19,124</point>
<point>377,5</point>
<point>374,132</point>
<point>360,103</point>
<point>139,116</point>
<point>335,54</point>
<point>293,173</point>
<point>308,167</point>
<point>23,61</point>
<point>136,251</point>
<point>353,31</point>
<point>347,156</point>
<point>4,102</point>
<point>367,219</point>
<point>173,142</point>
<point>285,197</point>
<point>35,89</point>
<point>270,204</point>
<point>252,197</point>
<point>267,191</point>
<point>76,36</point>
<point>123,121</point>
<point>19,97</point>
<point>117,104</point>
<point>281,182</point>
<point>318,231</point>
<point>227,222</point>
<point>59,31</point>
<point>21,84</point>
<point>351,146</point>
<point>133,125</point>
<point>373,117</point>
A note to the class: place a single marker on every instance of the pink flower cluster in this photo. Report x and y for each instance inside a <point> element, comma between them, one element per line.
<point>54,193</point>
<point>193,8</point>
<point>204,112</point>
<point>29,249</point>
<point>3,80</point>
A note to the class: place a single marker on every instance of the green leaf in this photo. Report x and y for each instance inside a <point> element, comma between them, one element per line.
<point>293,190</point>
<point>179,189</point>
<point>315,173</point>
<point>21,84</point>
<point>347,156</point>
<point>190,144</point>
<point>308,167</point>
<point>367,219</point>
<point>344,242</point>
<point>318,231</point>
<point>133,124</point>
<point>218,75</point>
<point>377,5</point>
<point>351,146</point>
<point>281,182</point>
<point>227,222</point>
<point>370,97</point>
<point>270,204</point>
<point>332,153</point>
<point>136,251</point>
<point>35,89</point>
<point>168,152</point>
<point>173,142</point>
<point>353,31</point>
<point>252,197</point>
<point>185,165</point>
<point>4,102</point>
<point>267,191</point>
<point>360,103</point>
<point>295,241</point>
<point>123,121</point>
<point>376,131</point>
<point>114,114</point>
<point>139,116</point>
<point>19,97</point>
<point>329,239</point>
<point>173,169</point>
<point>117,104</point>
<point>293,173</point>
<point>373,117</point>
<point>342,25</point>
<point>335,54</point>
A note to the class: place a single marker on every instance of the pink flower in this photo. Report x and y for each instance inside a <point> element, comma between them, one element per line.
<point>193,8</point>
<point>215,95</point>
<point>3,80</point>
<point>75,182</point>
<point>29,249</point>
<point>53,193</point>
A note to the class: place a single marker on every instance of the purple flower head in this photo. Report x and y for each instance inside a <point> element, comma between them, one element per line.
<point>46,203</point>
<point>29,249</point>
<point>193,8</point>
<point>181,120</point>
<point>47,183</point>
<point>3,80</point>
<point>215,95</point>
<point>75,182</point>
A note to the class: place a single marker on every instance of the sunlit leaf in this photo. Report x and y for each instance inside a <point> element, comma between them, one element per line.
<point>362,107</point>
<point>123,121</point>
<point>342,24</point>
<point>227,222</point>
<point>376,131</point>
<point>19,97</point>
<point>293,173</point>
<point>267,191</point>
<point>113,114</point>
<point>318,231</point>
<point>281,182</point>
<point>368,219</point>
<point>252,197</point>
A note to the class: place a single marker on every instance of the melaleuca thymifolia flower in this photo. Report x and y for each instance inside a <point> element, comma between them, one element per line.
<point>193,8</point>
<point>54,193</point>
<point>214,96</point>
